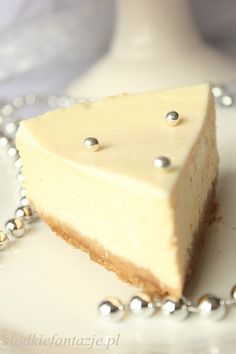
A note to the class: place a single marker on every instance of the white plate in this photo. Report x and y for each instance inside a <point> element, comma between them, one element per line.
<point>47,288</point>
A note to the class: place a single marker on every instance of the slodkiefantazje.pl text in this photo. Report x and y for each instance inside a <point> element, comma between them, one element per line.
<point>35,340</point>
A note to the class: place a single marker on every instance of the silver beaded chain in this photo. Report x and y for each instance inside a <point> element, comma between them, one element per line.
<point>111,308</point>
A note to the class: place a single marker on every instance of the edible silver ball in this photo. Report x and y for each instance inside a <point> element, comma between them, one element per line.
<point>7,110</point>
<point>15,227</point>
<point>11,128</point>
<point>162,163</point>
<point>30,99</point>
<point>227,101</point>
<point>24,201</point>
<point>4,141</point>
<point>174,308</point>
<point>217,91</point>
<point>211,307</point>
<point>20,178</point>
<point>3,240</point>
<point>233,293</point>
<point>91,144</point>
<point>18,162</point>
<point>12,152</point>
<point>22,192</point>
<point>26,213</point>
<point>111,308</point>
<point>142,305</point>
<point>18,102</point>
<point>172,118</point>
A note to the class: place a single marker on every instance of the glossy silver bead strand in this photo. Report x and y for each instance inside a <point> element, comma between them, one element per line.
<point>208,306</point>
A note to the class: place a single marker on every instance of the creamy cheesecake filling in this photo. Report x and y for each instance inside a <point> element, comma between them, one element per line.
<point>105,212</point>
<point>115,196</point>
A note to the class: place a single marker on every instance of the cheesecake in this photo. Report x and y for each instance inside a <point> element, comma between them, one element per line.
<point>129,179</point>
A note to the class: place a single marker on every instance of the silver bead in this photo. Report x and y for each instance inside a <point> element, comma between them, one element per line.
<point>61,101</point>
<point>175,308</point>
<point>26,213</point>
<point>7,110</point>
<point>3,240</point>
<point>11,128</point>
<point>52,101</point>
<point>162,163</point>
<point>24,201</point>
<point>18,162</point>
<point>70,102</point>
<point>15,227</point>
<point>18,102</point>
<point>217,91</point>
<point>20,178</point>
<point>226,101</point>
<point>22,192</point>
<point>233,293</point>
<point>172,118</point>
<point>12,152</point>
<point>111,308</point>
<point>211,307</point>
<point>91,144</point>
<point>142,305</point>
<point>4,141</point>
<point>30,99</point>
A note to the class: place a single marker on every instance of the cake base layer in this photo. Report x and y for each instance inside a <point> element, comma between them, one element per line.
<point>124,269</point>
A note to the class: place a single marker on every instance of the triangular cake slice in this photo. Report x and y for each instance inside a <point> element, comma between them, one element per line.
<point>136,217</point>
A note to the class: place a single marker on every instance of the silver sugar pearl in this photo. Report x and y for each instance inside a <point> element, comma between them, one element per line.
<point>217,91</point>
<point>70,102</point>
<point>175,308</point>
<point>18,102</point>
<point>4,141</point>
<point>15,227</point>
<point>3,240</point>
<point>20,178</point>
<point>18,162</point>
<point>52,101</point>
<point>233,293</point>
<point>11,128</point>
<point>26,213</point>
<point>91,144</point>
<point>142,305</point>
<point>24,201</point>
<point>162,163</point>
<point>7,110</point>
<point>12,152</point>
<point>112,309</point>
<point>172,118</point>
<point>61,101</point>
<point>22,192</point>
<point>211,307</point>
<point>226,101</point>
<point>30,99</point>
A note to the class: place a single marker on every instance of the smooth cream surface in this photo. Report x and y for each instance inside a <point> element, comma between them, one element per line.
<point>116,195</point>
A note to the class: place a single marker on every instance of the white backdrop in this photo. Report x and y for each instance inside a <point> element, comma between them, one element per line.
<point>74,33</point>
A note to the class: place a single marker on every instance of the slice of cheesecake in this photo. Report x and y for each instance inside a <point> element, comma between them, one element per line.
<point>139,215</point>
